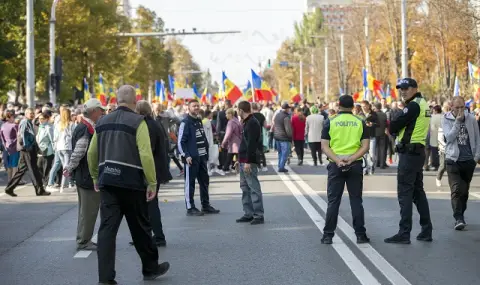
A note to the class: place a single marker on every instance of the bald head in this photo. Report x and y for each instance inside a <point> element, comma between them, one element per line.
<point>126,95</point>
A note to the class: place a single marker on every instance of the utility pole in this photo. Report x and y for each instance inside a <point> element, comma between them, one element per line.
<point>367,52</point>
<point>312,73</point>
<point>343,81</point>
<point>30,90</point>
<point>404,39</point>
<point>53,93</point>
<point>301,77</point>
<point>326,71</point>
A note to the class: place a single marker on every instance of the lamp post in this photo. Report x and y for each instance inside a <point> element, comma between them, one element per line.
<point>30,56</point>
<point>53,93</point>
<point>404,39</point>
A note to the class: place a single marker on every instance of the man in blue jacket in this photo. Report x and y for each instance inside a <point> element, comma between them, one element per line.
<point>193,148</point>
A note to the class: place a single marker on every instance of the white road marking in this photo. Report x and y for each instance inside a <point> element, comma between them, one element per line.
<point>475,195</point>
<point>85,253</point>
<point>356,266</point>
<point>395,277</point>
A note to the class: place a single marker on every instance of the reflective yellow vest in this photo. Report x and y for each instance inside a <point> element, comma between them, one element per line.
<point>345,134</point>
<point>422,124</point>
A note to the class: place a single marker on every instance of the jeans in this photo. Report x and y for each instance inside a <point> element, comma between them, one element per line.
<point>373,152</point>
<point>252,198</point>
<point>283,152</point>
<point>55,167</point>
<point>65,159</point>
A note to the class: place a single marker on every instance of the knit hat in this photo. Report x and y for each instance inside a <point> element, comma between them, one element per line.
<point>314,110</point>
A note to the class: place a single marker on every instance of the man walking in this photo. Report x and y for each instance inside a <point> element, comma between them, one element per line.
<point>344,141</point>
<point>251,150</point>
<point>193,147</point>
<point>27,145</point>
<point>121,163</point>
<point>282,132</point>
<point>462,152</point>
<point>88,198</point>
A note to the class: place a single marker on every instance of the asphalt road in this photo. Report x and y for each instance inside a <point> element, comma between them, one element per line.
<point>37,243</point>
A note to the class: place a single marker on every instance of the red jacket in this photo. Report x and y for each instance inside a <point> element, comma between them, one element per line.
<point>298,127</point>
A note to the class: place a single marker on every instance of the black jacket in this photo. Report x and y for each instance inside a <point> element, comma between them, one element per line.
<point>252,141</point>
<point>82,176</point>
<point>159,143</point>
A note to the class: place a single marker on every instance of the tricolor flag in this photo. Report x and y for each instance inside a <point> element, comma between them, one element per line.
<point>474,71</point>
<point>262,90</point>
<point>138,92</point>
<point>101,91</point>
<point>247,92</point>
<point>294,94</point>
<point>86,91</point>
<point>112,97</point>
<point>232,92</point>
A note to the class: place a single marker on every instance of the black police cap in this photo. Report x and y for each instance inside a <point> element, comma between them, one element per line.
<point>404,83</point>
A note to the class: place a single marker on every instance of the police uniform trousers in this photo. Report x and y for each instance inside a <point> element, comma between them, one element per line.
<point>337,178</point>
<point>115,203</point>
<point>410,190</point>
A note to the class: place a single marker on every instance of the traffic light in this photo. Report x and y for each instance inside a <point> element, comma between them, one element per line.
<point>269,64</point>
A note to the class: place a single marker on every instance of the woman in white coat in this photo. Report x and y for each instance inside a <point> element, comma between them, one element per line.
<point>213,151</point>
<point>313,130</point>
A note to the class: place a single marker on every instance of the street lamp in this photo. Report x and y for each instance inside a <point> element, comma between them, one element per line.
<point>53,93</point>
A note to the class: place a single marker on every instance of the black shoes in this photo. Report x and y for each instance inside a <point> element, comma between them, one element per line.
<point>362,238</point>
<point>210,210</point>
<point>108,282</point>
<point>398,239</point>
<point>283,170</point>
<point>44,193</point>
<point>160,270</point>
<point>10,193</point>
<point>158,243</point>
<point>460,225</point>
<point>425,237</point>
<point>251,220</point>
<point>244,219</point>
<point>327,239</point>
<point>194,212</point>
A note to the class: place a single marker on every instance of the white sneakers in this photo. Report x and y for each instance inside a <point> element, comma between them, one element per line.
<point>438,182</point>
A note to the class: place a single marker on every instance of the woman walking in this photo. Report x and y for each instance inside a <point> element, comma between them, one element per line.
<point>232,139</point>
<point>63,145</point>
<point>8,135</point>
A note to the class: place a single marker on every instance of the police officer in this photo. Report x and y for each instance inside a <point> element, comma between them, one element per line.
<point>121,163</point>
<point>345,140</point>
<point>412,128</point>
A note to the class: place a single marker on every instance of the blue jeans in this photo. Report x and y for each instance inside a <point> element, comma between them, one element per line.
<point>55,167</point>
<point>283,153</point>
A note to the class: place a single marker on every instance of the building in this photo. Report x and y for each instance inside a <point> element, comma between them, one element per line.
<point>125,8</point>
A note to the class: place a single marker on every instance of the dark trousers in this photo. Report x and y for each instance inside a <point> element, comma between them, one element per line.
<point>115,203</point>
<point>28,161</point>
<point>381,151</point>
<point>390,146</point>
<point>410,190</point>
<point>460,175</point>
<point>197,171</point>
<point>432,157</point>
<point>442,167</point>
<point>156,218</point>
<point>175,160</point>
<point>44,164</point>
<point>299,148</point>
<point>316,150</point>
<point>337,178</point>
<point>270,140</point>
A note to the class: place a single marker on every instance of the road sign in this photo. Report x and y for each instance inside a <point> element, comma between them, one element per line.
<point>283,63</point>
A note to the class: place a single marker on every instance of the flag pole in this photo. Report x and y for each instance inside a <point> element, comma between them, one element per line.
<point>253,88</point>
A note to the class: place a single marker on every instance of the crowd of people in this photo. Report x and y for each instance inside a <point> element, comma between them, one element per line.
<point>82,149</point>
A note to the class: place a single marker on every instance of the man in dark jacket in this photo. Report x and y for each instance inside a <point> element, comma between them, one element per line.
<point>251,148</point>
<point>282,132</point>
<point>193,147</point>
<point>159,142</point>
<point>88,198</point>
<point>221,129</point>
<point>380,136</point>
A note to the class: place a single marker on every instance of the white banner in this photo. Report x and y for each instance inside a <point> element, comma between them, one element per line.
<point>184,93</point>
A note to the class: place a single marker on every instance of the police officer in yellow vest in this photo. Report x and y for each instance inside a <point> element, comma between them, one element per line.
<point>412,128</point>
<point>345,140</point>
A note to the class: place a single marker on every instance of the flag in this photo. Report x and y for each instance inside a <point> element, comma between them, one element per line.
<point>357,98</point>
<point>215,98</point>
<point>375,86</point>
<point>171,83</point>
<point>138,92</point>
<point>100,89</point>
<point>294,94</point>
<point>456,89</point>
<point>365,84</point>
<point>247,92</point>
<point>112,97</point>
<point>232,92</point>
<point>195,91</point>
<point>474,71</point>
<point>86,91</point>
<point>262,90</point>
<point>204,99</point>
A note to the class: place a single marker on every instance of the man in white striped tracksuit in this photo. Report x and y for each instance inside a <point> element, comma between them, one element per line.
<point>193,147</point>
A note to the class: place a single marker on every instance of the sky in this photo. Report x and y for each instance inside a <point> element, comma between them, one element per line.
<point>264,25</point>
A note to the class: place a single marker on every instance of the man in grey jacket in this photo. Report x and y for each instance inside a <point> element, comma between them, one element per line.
<point>282,132</point>
<point>462,152</point>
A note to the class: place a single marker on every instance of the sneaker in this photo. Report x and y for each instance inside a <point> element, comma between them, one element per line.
<point>257,221</point>
<point>283,170</point>
<point>220,171</point>
<point>210,173</point>
<point>52,188</point>
<point>362,239</point>
<point>300,163</point>
<point>194,212</point>
<point>87,246</point>
<point>244,219</point>
<point>397,239</point>
<point>210,210</point>
<point>160,270</point>
<point>326,239</point>
<point>44,193</point>
<point>425,237</point>
<point>265,169</point>
<point>438,182</point>
<point>459,225</point>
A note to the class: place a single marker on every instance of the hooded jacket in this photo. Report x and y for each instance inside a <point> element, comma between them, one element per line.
<point>451,129</point>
